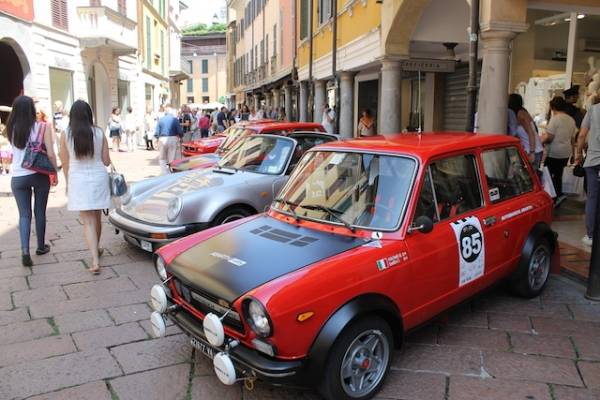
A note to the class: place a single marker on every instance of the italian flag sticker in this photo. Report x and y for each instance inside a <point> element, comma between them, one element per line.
<point>382,264</point>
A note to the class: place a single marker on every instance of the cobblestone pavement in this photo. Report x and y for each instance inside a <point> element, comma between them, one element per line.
<point>65,334</point>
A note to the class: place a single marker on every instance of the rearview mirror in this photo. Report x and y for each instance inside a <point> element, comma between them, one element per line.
<point>422,224</point>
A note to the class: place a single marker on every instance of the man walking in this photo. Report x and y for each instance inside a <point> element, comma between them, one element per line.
<point>168,131</point>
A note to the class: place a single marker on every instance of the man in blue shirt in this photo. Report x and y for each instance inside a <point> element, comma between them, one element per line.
<point>168,131</point>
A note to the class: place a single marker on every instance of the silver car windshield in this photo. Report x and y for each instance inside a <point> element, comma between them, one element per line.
<point>261,154</point>
<point>356,189</point>
<point>233,137</point>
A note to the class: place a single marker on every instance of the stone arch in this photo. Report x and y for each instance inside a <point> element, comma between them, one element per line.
<point>399,18</point>
<point>15,72</point>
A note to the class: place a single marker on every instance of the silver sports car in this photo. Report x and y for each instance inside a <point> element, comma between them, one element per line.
<point>245,181</point>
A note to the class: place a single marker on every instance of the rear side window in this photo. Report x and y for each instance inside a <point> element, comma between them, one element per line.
<point>506,174</point>
<point>451,188</point>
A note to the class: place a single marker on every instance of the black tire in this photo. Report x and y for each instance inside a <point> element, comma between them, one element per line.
<point>333,386</point>
<point>529,281</point>
<point>231,214</point>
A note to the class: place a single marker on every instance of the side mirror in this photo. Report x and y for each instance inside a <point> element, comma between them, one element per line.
<point>422,224</point>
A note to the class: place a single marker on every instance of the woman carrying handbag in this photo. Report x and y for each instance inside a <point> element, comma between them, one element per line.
<point>84,155</point>
<point>32,163</point>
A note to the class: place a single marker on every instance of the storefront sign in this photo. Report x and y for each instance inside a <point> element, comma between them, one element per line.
<point>428,65</point>
<point>22,9</point>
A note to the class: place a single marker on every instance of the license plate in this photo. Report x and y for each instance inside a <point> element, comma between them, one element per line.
<point>203,347</point>
<point>146,245</point>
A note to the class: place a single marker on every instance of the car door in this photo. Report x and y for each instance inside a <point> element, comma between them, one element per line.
<point>448,260</point>
<point>507,218</point>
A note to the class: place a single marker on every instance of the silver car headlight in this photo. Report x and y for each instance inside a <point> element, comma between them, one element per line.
<point>160,268</point>
<point>257,318</point>
<point>174,208</point>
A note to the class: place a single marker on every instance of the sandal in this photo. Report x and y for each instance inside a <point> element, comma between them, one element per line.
<point>43,250</point>
<point>95,270</point>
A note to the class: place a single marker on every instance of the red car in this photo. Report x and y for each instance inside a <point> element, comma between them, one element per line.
<point>238,131</point>
<point>211,144</point>
<point>368,239</point>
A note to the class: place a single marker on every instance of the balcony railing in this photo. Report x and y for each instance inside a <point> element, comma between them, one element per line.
<point>102,26</point>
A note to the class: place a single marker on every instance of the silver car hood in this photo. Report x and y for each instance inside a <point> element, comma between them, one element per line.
<point>151,205</point>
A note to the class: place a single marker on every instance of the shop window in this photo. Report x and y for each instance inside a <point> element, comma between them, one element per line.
<point>456,186</point>
<point>205,66</point>
<point>205,84</point>
<point>60,14</point>
<point>190,99</point>
<point>506,174</point>
<point>190,85</point>
<point>123,95</point>
<point>61,86</point>
<point>205,99</point>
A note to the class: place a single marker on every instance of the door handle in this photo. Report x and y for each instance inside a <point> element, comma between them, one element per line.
<point>489,221</point>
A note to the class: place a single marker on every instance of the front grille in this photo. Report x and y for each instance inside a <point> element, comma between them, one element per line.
<point>206,303</point>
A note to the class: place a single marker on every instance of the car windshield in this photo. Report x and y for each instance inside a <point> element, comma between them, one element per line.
<point>233,137</point>
<point>355,189</point>
<point>261,154</point>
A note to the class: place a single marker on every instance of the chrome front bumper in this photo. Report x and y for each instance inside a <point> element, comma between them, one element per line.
<point>149,232</point>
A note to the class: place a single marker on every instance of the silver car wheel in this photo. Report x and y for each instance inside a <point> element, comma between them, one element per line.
<point>365,363</point>
<point>232,217</point>
<point>539,268</point>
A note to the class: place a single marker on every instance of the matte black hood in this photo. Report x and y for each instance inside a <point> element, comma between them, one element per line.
<point>238,260</point>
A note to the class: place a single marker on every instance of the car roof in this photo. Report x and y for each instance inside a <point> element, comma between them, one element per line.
<point>272,126</point>
<point>425,145</point>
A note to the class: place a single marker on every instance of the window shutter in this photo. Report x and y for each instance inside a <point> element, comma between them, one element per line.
<point>60,15</point>
<point>123,7</point>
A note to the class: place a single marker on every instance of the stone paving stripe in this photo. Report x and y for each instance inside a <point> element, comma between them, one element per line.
<point>508,322</point>
<point>25,331</point>
<point>99,288</point>
<point>414,386</point>
<point>588,347</point>
<point>109,336</point>
<point>33,296</point>
<point>61,267</point>
<point>151,354</point>
<point>14,272</point>
<point>88,391</point>
<point>439,359</point>
<point>554,326</point>
<point>468,318</point>
<point>591,374</point>
<point>473,337</point>
<point>82,321</point>
<point>10,317</point>
<point>65,278</point>
<point>54,308</point>
<point>130,313</point>
<point>35,349</point>
<point>587,312</point>
<point>470,388</point>
<point>13,284</point>
<point>55,373</point>
<point>158,384</point>
<point>547,345</point>
<point>6,303</point>
<point>569,393</point>
<point>262,391</point>
<point>531,368</point>
<point>209,387</point>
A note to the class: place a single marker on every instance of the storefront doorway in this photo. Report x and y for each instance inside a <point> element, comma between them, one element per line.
<point>11,76</point>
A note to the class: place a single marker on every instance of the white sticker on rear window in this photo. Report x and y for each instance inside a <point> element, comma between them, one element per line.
<point>337,158</point>
<point>494,194</point>
<point>471,249</point>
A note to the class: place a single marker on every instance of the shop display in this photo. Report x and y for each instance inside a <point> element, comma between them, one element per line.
<point>319,290</point>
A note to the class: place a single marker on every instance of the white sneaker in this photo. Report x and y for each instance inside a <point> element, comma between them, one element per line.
<point>586,240</point>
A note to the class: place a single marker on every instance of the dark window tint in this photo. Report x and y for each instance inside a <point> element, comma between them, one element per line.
<point>506,173</point>
<point>427,204</point>
<point>456,185</point>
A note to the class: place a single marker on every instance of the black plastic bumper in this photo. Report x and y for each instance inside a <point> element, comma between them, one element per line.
<point>248,361</point>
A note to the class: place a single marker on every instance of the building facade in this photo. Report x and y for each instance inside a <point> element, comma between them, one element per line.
<point>204,58</point>
<point>64,50</point>
<point>407,60</point>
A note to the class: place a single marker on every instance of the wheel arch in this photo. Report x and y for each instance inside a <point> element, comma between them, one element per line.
<point>365,304</point>
<point>228,207</point>
<point>541,230</point>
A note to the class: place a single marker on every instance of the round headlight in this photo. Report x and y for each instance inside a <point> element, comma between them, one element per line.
<point>174,209</point>
<point>160,268</point>
<point>258,319</point>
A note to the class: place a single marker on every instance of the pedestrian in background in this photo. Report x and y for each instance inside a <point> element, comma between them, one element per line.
<point>149,128</point>
<point>559,135</point>
<point>572,98</point>
<point>84,154</point>
<point>328,120</point>
<point>222,122</point>
<point>253,116</point>
<point>531,142</point>
<point>245,113</point>
<point>22,129</point>
<point>366,124</point>
<point>590,135</point>
<point>115,128</point>
<point>169,132</point>
<point>186,123</point>
<point>282,116</point>
<point>204,125</point>
<point>130,128</point>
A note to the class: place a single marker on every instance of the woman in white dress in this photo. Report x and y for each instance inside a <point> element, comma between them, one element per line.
<point>84,155</point>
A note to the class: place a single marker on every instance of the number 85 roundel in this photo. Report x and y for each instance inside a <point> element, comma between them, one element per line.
<point>471,248</point>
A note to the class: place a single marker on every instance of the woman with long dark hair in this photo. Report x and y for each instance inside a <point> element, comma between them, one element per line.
<point>22,128</point>
<point>528,135</point>
<point>84,156</point>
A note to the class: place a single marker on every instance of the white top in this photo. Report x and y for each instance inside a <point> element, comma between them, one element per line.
<point>19,154</point>
<point>325,122</point>
<point>563,127</point>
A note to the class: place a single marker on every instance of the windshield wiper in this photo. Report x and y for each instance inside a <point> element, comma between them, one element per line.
<point>332,212</point>
<point>225,170</point>
<point>290,205</point>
